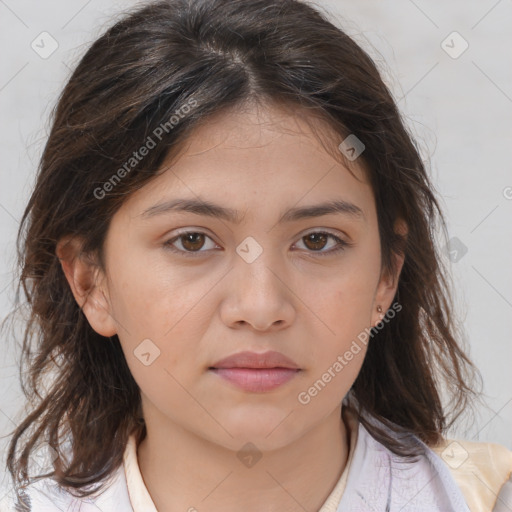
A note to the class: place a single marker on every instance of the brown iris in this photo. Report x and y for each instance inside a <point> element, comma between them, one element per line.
<point>318,240</point>
<point>192,241</point>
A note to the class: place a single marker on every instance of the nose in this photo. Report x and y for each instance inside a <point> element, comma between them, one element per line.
<point>258,294</point>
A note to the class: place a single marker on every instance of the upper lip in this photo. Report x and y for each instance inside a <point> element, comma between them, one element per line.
<point>270,359</point>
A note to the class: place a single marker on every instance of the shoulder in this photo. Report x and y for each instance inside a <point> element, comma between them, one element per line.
<point>379,478</point>
<point>41,495</point>
<point>45,495</point>
<point>480,469</point>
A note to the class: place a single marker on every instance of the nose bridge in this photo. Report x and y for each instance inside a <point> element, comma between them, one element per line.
<point>258,293</point>
<point>256,262</point>
<point>260,276</point>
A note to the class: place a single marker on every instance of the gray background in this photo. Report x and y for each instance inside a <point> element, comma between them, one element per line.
<point>459,110</point>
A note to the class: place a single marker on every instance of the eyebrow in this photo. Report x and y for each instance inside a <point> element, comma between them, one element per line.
<point>207,208</point>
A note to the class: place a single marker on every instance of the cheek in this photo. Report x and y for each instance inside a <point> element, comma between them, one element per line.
<point>169,311</point>
<point>345,301</point>
<point>344,307</point>
<point>343,352</point>
<point>152,298</point>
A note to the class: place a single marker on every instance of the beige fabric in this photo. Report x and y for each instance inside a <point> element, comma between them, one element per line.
<point>139,496</point>
<point>480,470</point>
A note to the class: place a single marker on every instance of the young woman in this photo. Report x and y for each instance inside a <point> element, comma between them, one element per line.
<point>236,299</point>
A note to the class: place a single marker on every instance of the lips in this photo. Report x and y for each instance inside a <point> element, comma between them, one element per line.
<point>270,359</point>
<point>254,372</point>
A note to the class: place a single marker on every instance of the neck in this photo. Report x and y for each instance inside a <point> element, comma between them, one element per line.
<point>183,471</point>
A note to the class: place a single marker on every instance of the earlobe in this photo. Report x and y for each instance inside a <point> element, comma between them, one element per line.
<point>86,281</point>
<point>385,293</point>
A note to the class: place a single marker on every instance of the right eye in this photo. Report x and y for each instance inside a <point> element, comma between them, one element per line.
<point>191,243</point>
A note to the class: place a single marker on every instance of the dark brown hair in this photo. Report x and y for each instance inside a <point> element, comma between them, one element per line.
<point>219,54</point>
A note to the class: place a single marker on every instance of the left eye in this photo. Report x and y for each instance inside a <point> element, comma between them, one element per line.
<point>193,241</point>
<point>317,240</point>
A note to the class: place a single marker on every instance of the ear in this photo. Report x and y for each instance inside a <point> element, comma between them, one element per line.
<point>388,283</point>
<point>86,281</point>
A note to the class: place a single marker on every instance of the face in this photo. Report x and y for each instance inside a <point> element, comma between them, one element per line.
<point>186,288</point>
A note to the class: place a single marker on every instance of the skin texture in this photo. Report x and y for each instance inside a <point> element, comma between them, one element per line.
<point>202,308</point>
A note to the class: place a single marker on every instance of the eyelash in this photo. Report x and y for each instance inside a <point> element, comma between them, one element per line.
<point>341,244</point>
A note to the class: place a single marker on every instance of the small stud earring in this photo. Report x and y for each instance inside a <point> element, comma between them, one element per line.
<point>379,309</point>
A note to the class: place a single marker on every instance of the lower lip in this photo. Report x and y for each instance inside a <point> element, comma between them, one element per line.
<point>256,380</point>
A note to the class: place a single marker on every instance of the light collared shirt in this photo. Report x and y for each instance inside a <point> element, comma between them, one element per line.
<point>456,476</point>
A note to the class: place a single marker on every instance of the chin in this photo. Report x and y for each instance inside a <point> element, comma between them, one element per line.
<point>267,431</point>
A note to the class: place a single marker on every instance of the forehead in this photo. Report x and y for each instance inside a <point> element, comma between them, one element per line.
<point>271,127</point>
<point>242,157</point>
